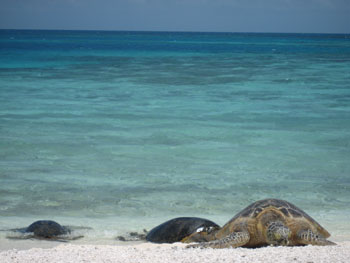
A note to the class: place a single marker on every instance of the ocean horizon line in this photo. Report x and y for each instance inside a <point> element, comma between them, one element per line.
<point>177,31</point>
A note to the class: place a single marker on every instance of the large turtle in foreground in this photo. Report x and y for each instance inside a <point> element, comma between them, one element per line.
<point>47,230</point>
<point>175,230</point>
<point>267,222</point>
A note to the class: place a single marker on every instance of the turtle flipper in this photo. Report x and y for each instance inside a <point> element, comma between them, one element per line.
<point>236,239</point>
<point>307,237</point>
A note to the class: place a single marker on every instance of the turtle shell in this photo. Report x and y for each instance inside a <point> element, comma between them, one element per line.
<point>287,209</point>
<point>47,229</point>
<point>177,229</point>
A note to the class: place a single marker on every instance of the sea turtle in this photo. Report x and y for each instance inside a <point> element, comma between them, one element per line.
<point>175,230</point>
<point>46,229</point>
<point>267,222</point>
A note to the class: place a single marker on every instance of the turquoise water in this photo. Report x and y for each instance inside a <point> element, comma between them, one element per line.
<point>122,130</point>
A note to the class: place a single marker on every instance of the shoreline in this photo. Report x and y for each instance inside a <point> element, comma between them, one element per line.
<point>7,244</point>
<point>153,253</point>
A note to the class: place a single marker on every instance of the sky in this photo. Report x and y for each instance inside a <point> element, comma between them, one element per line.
<point>299,16</point>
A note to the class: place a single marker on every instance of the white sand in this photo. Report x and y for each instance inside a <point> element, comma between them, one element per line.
<point>152,253</point>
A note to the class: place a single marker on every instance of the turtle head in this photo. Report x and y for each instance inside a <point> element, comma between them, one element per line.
<point>278,234</point>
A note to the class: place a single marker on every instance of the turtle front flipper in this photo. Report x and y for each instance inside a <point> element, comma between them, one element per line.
<point>307,237</point>
<point>236,239</point>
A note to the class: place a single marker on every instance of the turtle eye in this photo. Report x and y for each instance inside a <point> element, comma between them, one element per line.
<point>201,229</point>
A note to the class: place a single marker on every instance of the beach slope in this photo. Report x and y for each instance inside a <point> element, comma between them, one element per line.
<point>177,253</point>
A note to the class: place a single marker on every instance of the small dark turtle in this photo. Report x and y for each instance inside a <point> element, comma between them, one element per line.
<point>267,222</point>
<point>177,229</point>
<point>45,229</point>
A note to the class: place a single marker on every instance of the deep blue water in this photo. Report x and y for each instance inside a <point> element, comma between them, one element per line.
<point>122,130</point>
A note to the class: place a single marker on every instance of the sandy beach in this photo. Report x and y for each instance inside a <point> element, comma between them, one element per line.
<point>153,253</point>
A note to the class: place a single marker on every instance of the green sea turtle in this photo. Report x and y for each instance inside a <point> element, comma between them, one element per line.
<point>46,229</point>
<point>267,222</point>
<point>175,230</point>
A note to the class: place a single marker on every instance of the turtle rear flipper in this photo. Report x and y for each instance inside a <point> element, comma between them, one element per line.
<point>307,237</point>
<point>133,236</point>
<point>236,239</point>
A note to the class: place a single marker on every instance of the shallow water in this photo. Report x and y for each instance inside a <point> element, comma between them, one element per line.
<point>123,130</point>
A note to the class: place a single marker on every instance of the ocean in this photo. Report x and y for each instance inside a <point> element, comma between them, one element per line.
<point>121,131</point>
